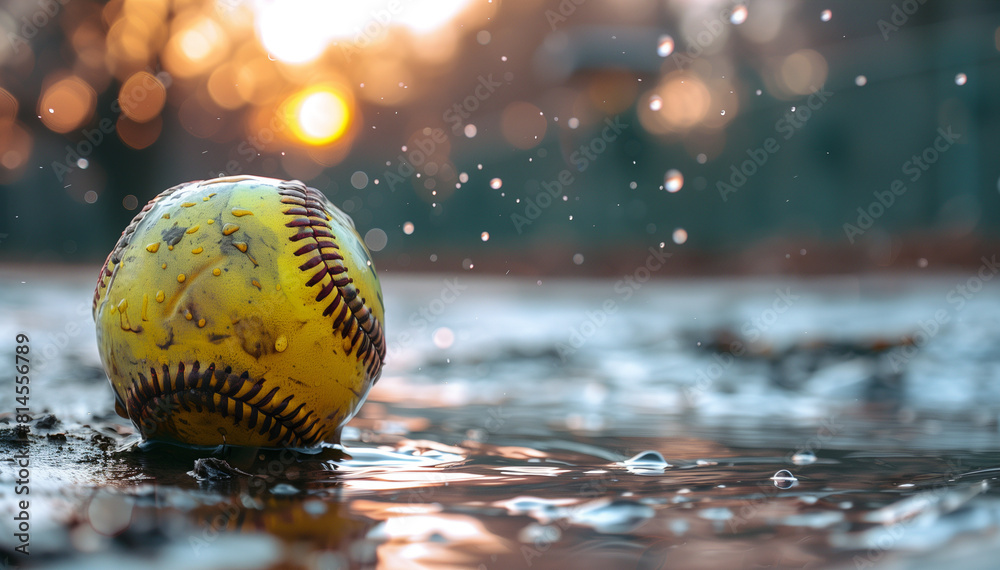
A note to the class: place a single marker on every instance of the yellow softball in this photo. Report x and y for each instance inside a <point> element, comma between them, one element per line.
<point>240,311</point>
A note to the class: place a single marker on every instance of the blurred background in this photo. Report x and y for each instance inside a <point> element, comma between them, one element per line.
<point>530,137</point>
<point>492,154</point>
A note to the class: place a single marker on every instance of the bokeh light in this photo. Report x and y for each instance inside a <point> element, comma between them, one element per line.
<point>198,44</point>
<point>142,97</point>
<point>318,115</point>
<point>801,73</point>
<point>523,125</point>
<point>67,104</point>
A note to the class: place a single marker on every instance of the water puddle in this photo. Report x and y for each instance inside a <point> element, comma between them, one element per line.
<point>502,453</point>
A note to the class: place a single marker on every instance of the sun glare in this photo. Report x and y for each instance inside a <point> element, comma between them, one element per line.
<point>300,31</point>
<point>320,115</point>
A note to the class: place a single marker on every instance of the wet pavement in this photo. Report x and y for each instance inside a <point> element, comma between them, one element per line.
<point>837,422</point>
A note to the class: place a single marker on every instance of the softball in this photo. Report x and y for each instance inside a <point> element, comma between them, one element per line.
<point>240,311</point>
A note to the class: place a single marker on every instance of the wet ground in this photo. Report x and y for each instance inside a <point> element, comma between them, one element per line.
<point>825,423</point>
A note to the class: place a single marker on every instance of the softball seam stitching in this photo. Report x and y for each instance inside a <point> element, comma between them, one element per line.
<point>353,317</point>
<point>145,398</point>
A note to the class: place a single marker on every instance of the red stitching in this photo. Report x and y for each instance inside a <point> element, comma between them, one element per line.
<point>148,395</point>
<point>353,317</point>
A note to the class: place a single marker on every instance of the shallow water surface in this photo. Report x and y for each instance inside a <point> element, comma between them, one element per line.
<point>825,423</point>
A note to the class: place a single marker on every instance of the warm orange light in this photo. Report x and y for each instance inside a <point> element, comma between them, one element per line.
<point>318,115</point>
<point>802,72</point>
<point>300,31</point>
<point>142,97</point>
<point>523,125</point>
<point>8,106</point>
<point>139,135</point>
<point>67,104</point>
<point>222,87</point>
<point>15,149</point>
<point>197,46</point>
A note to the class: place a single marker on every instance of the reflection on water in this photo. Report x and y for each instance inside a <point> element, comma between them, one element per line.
<point>690,429</point>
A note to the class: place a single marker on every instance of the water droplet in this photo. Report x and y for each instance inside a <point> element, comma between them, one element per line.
<point>573,122</point>
<point>376,239</point>
<point>739,15</point>
<point>784,479</point>
<point>467,264</point>
<point>861,81</point>
<point>632,185</point>
<point>359,180</point>
<point>655,103</point>
<point>804,458</point>
<point>443,337</point>
<point>463,177</point>
<point>961,78</point>
<point>83,163</point>
<point>716,513</point>
<point>408,228</point>
<point>90,197</point>
<point>578,258</point>
<point>665,46</point>
<point>485,236</point>
<point>680,236</point>
<point>470,130</point>
<point>673,180</point>
<point>496,183</point>
<point>759,92</point>
<point>825,15</point>
<point>702,158</point>
<point>922,262</point>
<point>608,516</point>
<point>536,533</point>
<point>723,112</point>
<point>646,461</point>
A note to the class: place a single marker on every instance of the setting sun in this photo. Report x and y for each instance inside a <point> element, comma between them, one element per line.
<point>319,115</point>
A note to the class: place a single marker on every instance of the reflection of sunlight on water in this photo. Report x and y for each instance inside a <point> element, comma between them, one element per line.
<point>494,450</point>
